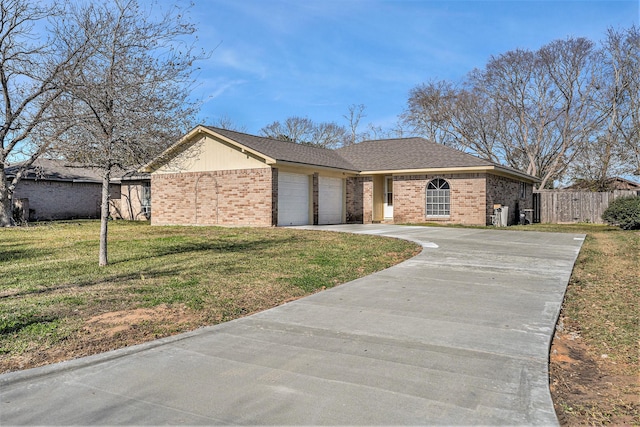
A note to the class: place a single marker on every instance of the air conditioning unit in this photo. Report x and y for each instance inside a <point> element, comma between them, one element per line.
<point>500,217</point>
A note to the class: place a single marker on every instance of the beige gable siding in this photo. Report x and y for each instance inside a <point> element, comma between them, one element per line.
<point>209,154</point>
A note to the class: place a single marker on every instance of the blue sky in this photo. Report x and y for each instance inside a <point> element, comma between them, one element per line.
<point>314,58</point>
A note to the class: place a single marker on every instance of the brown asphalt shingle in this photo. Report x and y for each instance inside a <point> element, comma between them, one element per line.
<point>407,153</point>
<point>288,151</point>
<point>62,170</point>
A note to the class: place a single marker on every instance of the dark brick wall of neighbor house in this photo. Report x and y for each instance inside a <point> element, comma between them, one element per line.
<point>233,197</point>
<point>54,200</point>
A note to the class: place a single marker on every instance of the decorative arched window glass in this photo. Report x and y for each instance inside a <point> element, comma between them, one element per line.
<point>438,198</point>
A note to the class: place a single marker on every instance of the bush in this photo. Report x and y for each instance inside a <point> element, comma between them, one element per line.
<point>624,212</point>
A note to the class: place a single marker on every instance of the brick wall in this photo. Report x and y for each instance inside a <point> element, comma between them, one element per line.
<point>367,201</point>
<point>468,199</point>
<point>507,192</point>
<point>232,197</point>
<point>355,199</point>
<point>51,200</point>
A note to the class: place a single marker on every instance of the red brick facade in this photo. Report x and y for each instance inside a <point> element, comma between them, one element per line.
<point>472,196</point>
<point>232,197</point>
<point>249,197</point>
<point>467,192</point>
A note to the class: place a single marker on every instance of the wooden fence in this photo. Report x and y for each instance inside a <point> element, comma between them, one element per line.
<point>562,206</point>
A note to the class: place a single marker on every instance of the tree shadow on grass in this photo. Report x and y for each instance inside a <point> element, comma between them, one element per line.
<point>213,246</point>
<point>167,268</point>
<point>17,251</point>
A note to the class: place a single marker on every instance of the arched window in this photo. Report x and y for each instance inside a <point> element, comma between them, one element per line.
<point>438,201</point>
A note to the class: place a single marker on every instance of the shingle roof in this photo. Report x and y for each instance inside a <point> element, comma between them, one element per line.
<point>61,170</point>
<point>402,154</point>
<point>288,151</point>
<point>55,170</point>
<point>407,154</point>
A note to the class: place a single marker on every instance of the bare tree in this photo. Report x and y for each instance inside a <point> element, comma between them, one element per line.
<point>303,130</point>
<point>354,115</point>
<point>529,110</point>
<point>33,68</point>
<point>616,147</point>
<point>226,122</point>
<point>131,99</point>
<point>624,56</point>
<point>430,111</point>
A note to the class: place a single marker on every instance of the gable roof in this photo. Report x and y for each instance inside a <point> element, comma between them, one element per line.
<point>286,151</point>
<point>380,156</point>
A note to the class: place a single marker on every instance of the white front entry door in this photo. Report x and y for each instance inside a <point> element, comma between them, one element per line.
<point>388,197</point>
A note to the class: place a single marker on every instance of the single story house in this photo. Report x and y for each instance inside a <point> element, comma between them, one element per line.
<point>221,177</point>
<point>54,189</point>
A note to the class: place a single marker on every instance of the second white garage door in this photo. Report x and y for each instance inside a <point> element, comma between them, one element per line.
<point>330,201</point>
<point>293,199</point>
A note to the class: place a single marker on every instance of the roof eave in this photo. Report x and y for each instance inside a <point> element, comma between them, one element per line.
<point>462,169</point>
<point>314,166</point>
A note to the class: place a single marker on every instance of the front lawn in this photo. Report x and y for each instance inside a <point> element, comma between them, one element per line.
<point>57,304</point>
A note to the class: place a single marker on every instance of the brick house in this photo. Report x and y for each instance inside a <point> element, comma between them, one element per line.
<point>53,189</point>
<point>221,177</point>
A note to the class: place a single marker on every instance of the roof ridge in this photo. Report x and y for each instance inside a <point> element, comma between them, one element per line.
<point>269,138</point>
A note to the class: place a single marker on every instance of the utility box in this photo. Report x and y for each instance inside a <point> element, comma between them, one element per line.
<point>500,217</point>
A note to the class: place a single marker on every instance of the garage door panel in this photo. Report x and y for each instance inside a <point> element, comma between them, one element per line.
<point>293,199</point>
<point>330,200</point>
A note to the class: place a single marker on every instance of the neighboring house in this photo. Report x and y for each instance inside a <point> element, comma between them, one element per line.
<point>612,184</point>
<point>134,197</point>
<point>54,189</point>
<point>221,177</point>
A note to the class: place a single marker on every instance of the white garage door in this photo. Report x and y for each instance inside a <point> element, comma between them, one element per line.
<point>330,201</point>
<point>293,199</point>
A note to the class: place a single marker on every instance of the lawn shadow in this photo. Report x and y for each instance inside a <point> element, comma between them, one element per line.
<point>217,246</point>
<point>18,251</point>
<point>166,269</point>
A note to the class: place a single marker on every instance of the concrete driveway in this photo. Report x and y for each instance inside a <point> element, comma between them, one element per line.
<point>458,335</point>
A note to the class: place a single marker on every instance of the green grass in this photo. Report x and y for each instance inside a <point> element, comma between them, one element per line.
<point>51,286</point>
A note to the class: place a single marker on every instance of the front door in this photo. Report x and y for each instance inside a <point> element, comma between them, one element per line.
<point>388,197</point>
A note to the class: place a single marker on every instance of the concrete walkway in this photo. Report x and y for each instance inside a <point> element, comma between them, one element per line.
<point>457,335</point>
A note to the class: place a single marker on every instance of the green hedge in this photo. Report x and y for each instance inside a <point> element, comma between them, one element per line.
<point>624,212</point>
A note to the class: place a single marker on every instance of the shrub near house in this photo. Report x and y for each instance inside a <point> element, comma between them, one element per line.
<point>624,212</point>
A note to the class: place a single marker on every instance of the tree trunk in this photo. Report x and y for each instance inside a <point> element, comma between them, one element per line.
<point>6,207</point>
<point>104,218</point>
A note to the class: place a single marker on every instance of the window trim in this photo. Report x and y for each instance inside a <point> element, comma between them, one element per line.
<point>440,202</point>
